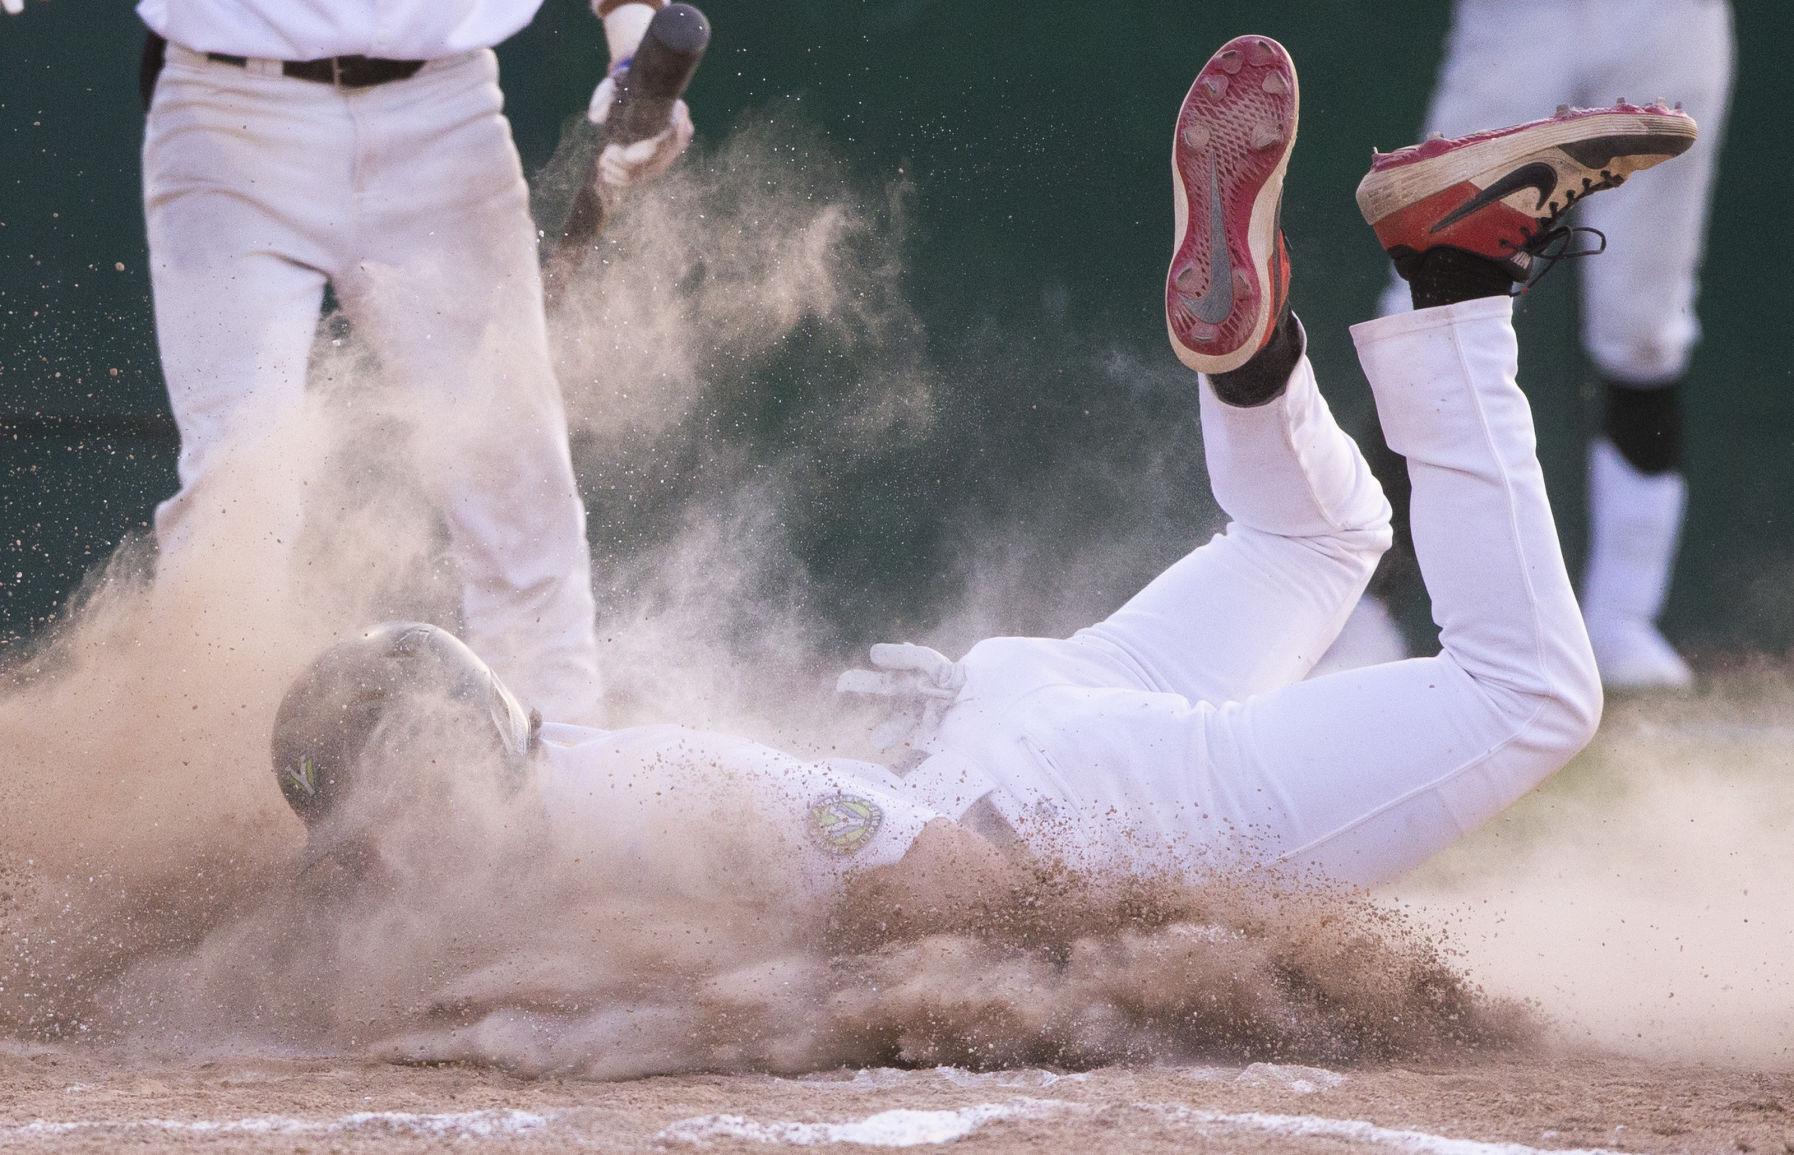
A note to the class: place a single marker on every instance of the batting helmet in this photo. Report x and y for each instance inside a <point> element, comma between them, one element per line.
<point>351,693</point>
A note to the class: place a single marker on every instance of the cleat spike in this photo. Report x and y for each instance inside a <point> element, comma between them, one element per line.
<point>1197,135</point>
<point>1265,134</point>
<point>1275,84</point>
<point>1435,136</point>
<point>1563,110</point>
<point>1214,85</point>
<point>1231,62</point>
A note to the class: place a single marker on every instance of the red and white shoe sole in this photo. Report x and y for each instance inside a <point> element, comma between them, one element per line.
<point>1229,154</point>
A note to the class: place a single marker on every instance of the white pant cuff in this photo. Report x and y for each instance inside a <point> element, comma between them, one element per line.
<point>1396,324</point>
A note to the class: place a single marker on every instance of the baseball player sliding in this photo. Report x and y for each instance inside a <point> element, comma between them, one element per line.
<point>1178,732</point>
<point>290,146</point>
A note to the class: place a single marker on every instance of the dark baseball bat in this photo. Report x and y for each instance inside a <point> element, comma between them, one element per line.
<point>656,77</point>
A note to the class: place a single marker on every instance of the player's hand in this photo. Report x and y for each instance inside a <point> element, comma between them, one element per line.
<point>917,684</point>
<point>621,165</point>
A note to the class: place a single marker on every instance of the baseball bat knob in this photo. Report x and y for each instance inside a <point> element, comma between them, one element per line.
<point>663,65</point>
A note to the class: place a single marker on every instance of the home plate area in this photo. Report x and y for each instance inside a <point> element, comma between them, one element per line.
<point>62,1100</point>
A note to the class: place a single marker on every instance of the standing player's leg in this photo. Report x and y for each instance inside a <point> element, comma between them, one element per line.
<point>1254,608</point>
<point>1639,326</point>
<point>452,292</point>
<point>241,193</point>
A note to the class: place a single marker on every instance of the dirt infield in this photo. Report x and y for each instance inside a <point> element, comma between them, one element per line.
<point>1638,903</point>
<point>93,1102</point>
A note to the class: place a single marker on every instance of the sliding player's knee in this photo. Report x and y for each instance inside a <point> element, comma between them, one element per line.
<point>1556,705</point>
<point>1358,549</point>
<point>1574,707</point>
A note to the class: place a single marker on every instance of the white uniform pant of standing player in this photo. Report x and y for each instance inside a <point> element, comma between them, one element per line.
<point>1180,731</point>
<point>408,198</point>
<point>1638,301</point>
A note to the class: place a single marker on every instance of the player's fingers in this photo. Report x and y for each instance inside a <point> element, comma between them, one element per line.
<point>611,169</point>
<point>597,111</point>
<point>897,655</point>
<point>620,165</point>
<point>625,164</point>
<point>680,123</point>
<point>941,676</point>
<point>908,656</point>
<point>682,130</point>
<point>870,682</point>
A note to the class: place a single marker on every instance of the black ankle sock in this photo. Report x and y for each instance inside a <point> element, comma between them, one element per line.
<point>1446,276</point>
<point>1645,425</point>
<point>1262,379</point>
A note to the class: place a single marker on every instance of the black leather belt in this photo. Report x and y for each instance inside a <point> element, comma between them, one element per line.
<point>342,71</point>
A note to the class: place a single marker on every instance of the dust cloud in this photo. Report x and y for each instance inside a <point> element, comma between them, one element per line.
<point>155,894</point>
<point>1641,899</point>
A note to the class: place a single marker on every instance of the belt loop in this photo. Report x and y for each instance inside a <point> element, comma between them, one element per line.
<point>336,71</point>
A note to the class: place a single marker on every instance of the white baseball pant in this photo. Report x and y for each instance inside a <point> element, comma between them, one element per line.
<point>408,198</point>
<point>1179,726</point>
<point>1178,732</point>
<point>1509,61</point>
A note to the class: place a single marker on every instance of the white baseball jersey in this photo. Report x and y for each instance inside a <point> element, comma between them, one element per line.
<point>726,800</point>
<point>313,29</point>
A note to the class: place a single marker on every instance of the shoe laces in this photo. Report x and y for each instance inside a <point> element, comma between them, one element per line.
<point>1554,242</point>
<point>1549,246</point>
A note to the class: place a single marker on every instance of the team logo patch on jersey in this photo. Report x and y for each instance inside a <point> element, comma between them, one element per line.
<point>843,824</point>
<point>303,778</point>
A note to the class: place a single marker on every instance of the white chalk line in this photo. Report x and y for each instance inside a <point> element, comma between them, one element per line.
<point>895,1128</point>
<point>898,1128</point>
<point>488,1124</point>
<point>908,1128</point>
<point>1358,1131</point>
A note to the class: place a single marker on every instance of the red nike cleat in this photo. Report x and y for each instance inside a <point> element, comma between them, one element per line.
<point>1500,194</point>
<point>1229,274</point>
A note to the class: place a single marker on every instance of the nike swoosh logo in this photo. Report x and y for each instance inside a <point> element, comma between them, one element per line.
<point>1214,306</point>
<point>1538,175</point>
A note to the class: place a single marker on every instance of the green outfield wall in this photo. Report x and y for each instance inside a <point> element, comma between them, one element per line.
<point>1032,139</point>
